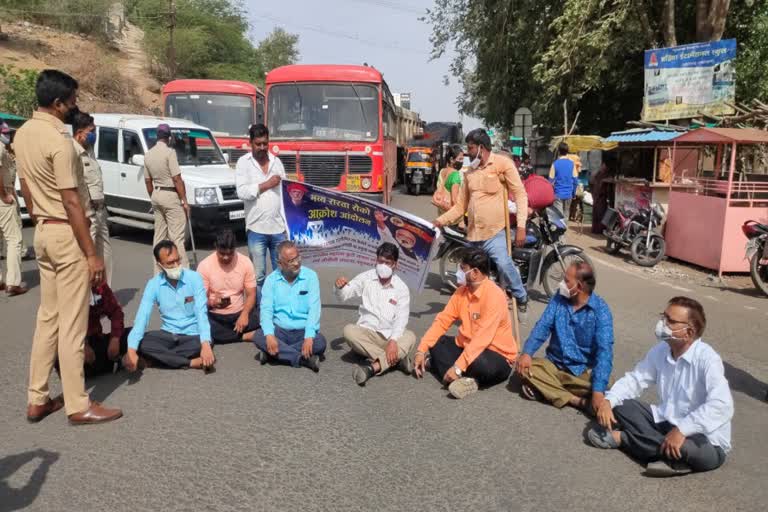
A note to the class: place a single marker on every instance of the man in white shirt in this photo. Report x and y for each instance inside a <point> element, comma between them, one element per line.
<point>690,428</point>
<point>379,335</point>
<point>257,177</point>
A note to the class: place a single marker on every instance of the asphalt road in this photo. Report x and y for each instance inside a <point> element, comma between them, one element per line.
<point>273,438</point>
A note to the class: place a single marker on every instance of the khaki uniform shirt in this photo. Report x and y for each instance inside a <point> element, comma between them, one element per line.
<point>94,180</point>
<point>47,162</point>
<point>7,169</point>
<point>161,165</point>
<point>482,198</point>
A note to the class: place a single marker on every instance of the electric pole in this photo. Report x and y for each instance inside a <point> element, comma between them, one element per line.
<point>171,47</point>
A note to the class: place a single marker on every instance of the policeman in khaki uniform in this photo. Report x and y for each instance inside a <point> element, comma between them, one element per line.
<point>10,223</point>
<point>162,176</point>
<point>51,181</point>
<point>84,131</point>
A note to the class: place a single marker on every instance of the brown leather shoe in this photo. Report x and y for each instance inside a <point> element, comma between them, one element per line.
<point>95,414</point>
<point>2,286</point>
<point>36,413</point>
<point>16,290</point>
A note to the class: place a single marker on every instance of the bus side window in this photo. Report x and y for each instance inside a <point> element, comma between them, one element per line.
<point>259,109</point>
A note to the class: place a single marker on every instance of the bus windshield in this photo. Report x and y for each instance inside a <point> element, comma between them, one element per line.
<point>346,112</point>
<point>193,146</point>
<point>227,115</point>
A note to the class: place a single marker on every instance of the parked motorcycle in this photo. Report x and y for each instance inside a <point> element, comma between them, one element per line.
<point>543,259</point>
<point>637,230</point>
<point>757,236</point>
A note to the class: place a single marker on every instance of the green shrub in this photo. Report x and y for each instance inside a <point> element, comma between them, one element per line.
<point>17,91</point>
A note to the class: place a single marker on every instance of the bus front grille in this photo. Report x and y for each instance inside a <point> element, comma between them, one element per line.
<point>322,170</point>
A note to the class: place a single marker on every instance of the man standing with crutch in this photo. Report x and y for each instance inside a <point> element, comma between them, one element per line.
<point>162,177</point>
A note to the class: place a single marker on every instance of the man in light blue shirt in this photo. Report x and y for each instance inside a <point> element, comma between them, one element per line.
<point>290,313</point>
<point>185,338</point>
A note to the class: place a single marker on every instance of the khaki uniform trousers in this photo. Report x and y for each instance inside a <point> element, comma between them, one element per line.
<point>62,319</point>
<point>555,385</point>
<point>371,344</point>
<point>10,228</point>
<point>100,236</point>
<point>170,222</point>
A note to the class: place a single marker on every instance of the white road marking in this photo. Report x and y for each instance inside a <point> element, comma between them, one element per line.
<point>640,276</point>
<point>750,308</point>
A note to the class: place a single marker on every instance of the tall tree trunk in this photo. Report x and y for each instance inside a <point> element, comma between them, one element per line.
<point>710,19</point>
<point>668,23</point>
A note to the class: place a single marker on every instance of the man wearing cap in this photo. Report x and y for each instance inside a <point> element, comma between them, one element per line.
<point>162,176</point>
<point>10,221</point>
<point>51,177</point>
<point>84,138</point>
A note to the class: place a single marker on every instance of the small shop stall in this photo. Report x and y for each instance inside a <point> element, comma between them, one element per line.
<point>644,161</point>
<point>729,186</point>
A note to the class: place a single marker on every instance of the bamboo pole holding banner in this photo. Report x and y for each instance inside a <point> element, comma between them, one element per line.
<point>515,319</point>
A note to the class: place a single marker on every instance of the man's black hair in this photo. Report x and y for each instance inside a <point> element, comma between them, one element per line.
<point>163,245</point>
<point>81,121</point>
<point>562,148</point>
<point>53,84</point>
<point>257,131</point>
<point>479,137</point>
<point>388,250</point>
<point>477,258</point>
<point>586,275</point>
<point>225,240</point>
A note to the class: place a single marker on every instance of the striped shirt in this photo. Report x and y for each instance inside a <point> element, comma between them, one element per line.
<point>383,309</point>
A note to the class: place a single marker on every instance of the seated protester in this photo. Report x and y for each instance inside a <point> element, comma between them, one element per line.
<point>185,338</point>
<point>290,313</point>
<point>483,352</point>
<point>578,361</point>
<point>379,335</point>
<point>690,429</point>
<point>228,276</point>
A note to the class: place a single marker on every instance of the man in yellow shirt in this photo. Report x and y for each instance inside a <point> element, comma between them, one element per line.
<point>483,352</point>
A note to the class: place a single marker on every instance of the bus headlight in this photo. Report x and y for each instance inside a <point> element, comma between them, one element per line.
<point>206,195</point>
<point>366,183</point>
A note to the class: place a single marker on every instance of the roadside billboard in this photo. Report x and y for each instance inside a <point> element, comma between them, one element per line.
<point>687,81</point>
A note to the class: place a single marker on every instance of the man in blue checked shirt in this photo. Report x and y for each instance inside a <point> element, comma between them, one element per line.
<point>185,338</point>
<point>290,313</point>
<point>579,357</point>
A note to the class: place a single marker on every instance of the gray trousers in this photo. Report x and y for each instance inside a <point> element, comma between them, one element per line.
<point>171,350</point>
<point>642,437</point>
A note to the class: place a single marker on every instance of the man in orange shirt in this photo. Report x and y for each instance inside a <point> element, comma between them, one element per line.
<point>230,282</point>
<point>484,351</point>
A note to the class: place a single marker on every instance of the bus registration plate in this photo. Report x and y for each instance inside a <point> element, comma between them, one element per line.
<point>353,183</point>
<point>237,214</point>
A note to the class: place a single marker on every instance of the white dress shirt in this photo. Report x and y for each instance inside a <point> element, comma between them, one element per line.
<point>693,391</point>
<point>383,309</point>
<point>263,210</point>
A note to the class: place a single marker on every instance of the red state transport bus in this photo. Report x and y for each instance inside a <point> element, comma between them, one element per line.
<point>226,107</point>
<point>334,126</point>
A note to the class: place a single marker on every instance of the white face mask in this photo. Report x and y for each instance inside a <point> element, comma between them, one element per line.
<point>474,164</point>
<point>564,290</point>
<point>461,277</point>
<point>664,332</point>
<point>174,274</point>
<point>384,271</point>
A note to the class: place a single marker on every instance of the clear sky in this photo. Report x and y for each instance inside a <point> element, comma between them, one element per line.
<point>386,34</point>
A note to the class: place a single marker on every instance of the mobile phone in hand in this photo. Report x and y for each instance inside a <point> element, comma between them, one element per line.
<point>226,301</point>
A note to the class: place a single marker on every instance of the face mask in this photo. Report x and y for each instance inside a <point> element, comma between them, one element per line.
<point>564,290</point>
<point>474,164</point>
<point>461,277</point>
<point>90,139</point>
<point>174,274</point>
<point>458,165</point>
<point>664,333</point>
<point>384,271</point>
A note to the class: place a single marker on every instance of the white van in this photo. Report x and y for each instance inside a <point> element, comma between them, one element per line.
<point>121,142</point>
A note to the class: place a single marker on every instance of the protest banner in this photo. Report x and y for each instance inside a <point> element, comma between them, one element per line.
<point>687,81</point>
<point>341,230</point>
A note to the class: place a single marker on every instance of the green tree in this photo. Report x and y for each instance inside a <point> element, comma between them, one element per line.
<point>17,91</point>
<point>277,49</point>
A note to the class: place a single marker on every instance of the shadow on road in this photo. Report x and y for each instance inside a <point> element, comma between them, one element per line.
<point>17,498</point>
<point>105,385</point>
<point>743,382</point>
<point>31,278</point>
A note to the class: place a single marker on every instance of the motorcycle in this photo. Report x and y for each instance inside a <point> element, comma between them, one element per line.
<point>637,230</point>
<point>756,250</point>
<point>543,258</point>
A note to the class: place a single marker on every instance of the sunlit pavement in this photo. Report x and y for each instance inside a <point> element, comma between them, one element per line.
<point>252,437</point>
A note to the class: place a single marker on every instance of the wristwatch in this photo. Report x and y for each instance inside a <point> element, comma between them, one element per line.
<point>457,370</point>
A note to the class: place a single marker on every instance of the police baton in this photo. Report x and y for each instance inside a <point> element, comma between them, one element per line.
<point>193,259</point>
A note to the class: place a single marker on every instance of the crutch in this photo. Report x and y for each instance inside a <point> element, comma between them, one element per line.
<point>515,319</point>
<point>193,259</point>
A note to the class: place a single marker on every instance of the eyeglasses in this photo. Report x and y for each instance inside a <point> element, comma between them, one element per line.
<point>669,320</point>
<point>294,261</point>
